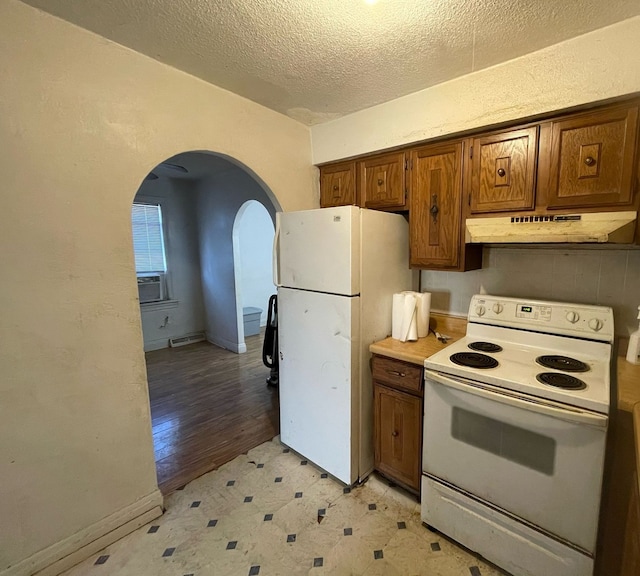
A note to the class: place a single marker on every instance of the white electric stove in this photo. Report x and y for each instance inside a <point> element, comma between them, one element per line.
<point>514,434</point>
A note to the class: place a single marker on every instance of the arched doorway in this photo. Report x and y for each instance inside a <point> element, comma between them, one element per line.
<point>253,233</point>
<point>207,403</point>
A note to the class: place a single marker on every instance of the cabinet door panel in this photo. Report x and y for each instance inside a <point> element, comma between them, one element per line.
<point>592,159</point>
<point>503,171</point>
<point>382,182</point>
<point>338,184</point>
<point>398,435</point>
<point>435,205</point>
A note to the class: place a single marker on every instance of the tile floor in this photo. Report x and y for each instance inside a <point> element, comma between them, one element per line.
<point>270,512</point>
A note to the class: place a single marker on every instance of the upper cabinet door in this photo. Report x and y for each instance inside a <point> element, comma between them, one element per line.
<point>382,182</point>
<point>435,206</point>
<point>592,159</point>
<point>503,171</point>
<point>338,184</point>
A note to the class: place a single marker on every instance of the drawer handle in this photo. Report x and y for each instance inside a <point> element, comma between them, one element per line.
<point>396,373</point>
<point>394,433</point>
<point>589,160</point>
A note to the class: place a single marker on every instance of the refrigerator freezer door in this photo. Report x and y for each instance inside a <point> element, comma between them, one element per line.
<point>319,379</point>
<point>320,250</point>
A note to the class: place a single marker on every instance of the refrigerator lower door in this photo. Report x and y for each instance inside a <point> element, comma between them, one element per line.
<point>320,379</point>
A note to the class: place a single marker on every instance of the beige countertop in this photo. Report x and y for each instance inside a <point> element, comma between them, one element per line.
<point>628,384</point>
<point>416,352</point>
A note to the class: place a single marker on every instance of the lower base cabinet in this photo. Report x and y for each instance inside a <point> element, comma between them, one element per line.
<point>397,388</point>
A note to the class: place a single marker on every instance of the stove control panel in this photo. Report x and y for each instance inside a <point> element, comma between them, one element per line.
<point>562,318</point>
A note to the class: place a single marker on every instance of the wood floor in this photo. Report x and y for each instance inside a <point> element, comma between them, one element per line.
<point>208,405</point>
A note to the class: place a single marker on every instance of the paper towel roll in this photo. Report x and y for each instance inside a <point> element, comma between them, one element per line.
<point>404,322</point>
<point>423,313</point>
<point>396,316</point>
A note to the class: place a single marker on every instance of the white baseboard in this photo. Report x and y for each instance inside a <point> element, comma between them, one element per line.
<point>78,547</point>
<point>227,344</point>
<point>152,345</point>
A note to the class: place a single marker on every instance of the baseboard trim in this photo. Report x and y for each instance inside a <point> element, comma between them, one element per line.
<point>227,344</point>
<point>153,345</point>
<point>68,552</point>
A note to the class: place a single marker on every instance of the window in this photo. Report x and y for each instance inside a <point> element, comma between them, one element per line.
<point>148,242</point>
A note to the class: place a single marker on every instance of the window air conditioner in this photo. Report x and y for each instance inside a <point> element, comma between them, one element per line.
<point>150,288</point>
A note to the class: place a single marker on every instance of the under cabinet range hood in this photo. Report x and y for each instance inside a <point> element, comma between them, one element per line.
<point>595,227</point>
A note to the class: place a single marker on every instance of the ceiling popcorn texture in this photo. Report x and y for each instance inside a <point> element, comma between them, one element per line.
<point>316,60</point>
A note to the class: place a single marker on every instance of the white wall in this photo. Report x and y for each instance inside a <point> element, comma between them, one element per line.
<point>254,229</point>
<point>82,121</point>
<point>608,277</point>
<point>185,314</point>
<point>219,199</point>
<point>598,65</point>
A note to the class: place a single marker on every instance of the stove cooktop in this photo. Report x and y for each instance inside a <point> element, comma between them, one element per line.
<point>516,366</point>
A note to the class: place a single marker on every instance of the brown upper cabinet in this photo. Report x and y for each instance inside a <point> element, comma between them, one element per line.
<point>435,206</point>
<point>338,184</point>
<point>503,171</point>
<point>382,183</point>
<point>591,159</point>
<point>580,161</point>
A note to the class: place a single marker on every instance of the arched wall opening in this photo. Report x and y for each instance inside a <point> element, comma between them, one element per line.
<point>201,195</point>
<point>211,215</point>
<point>253,234</point>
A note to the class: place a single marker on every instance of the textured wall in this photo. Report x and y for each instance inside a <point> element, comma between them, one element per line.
<point>82,121</point>
<point>219,199</point>
<point>602,64</point>
<point>608,277</point>
<point>179,216</point>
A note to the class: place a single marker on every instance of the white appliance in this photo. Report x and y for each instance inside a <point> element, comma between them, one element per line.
<point>515,425</point>
<point>336,270</point>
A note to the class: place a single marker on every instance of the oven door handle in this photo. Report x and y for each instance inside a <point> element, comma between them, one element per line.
<point>567,413</point>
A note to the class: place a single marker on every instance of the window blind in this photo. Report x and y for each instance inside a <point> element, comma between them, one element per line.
<point>148,245</point>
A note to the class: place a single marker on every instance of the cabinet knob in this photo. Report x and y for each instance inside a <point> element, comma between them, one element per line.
<point>501,172</point>
<point>434,207</point>
<point>335,187</point>
<point>589,160</point>
<point>380,181</point>
<point>394,433</point>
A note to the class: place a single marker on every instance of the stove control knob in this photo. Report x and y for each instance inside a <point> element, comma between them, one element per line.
<point>573,317</point>
<point>498,308</point>
<point>480,310</point>
<point>595,324</point>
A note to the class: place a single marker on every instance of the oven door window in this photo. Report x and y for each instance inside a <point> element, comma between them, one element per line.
<point>536,451</point>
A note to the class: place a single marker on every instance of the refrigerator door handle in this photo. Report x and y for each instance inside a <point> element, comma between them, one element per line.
<point>276,252</point>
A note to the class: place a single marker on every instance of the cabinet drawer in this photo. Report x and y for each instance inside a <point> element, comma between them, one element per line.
<point>397,374</point>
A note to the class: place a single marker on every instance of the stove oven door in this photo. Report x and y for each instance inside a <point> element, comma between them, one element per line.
<point>541,461</point>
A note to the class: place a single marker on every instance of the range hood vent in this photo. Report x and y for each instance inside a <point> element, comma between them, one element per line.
<point>600,227</point>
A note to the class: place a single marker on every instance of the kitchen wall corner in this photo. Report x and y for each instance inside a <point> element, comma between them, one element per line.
<point>605,276</point>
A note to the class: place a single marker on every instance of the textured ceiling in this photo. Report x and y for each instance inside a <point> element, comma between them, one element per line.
<point>316,60</point>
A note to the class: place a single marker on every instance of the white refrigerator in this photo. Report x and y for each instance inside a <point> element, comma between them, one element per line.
<point>336,270</point>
